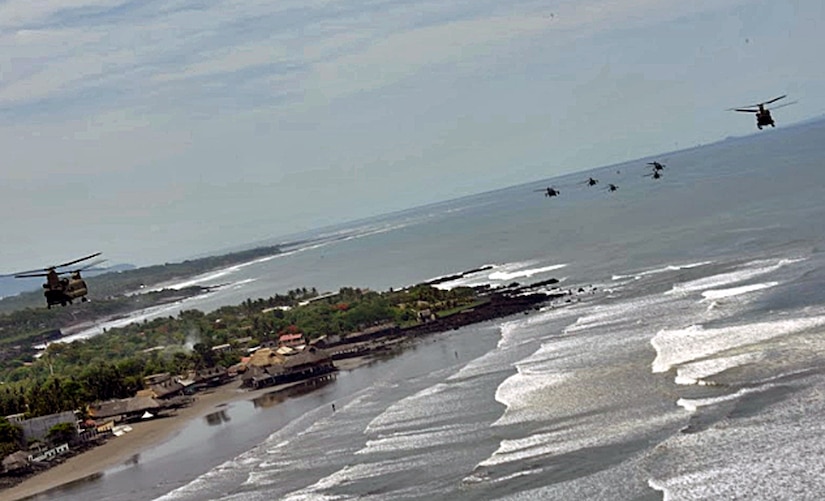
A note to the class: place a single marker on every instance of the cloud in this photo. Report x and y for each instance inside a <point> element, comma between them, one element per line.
<point>401,55</point>
<point>17,13</point>
<point>325,107</point>
<point>161,51</point>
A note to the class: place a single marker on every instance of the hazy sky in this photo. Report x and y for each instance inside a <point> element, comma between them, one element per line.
<point>154,130</point>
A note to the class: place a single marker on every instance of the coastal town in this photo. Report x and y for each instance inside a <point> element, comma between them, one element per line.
<point>259,345</point>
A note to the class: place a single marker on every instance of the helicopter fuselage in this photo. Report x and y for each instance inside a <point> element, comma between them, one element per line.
<point>65,291</point>
<point>764,118</point>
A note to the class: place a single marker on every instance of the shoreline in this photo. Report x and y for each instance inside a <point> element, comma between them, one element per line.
<point>145,435</point>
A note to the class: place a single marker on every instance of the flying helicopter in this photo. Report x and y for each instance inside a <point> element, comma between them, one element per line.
<point>656,165</point>
<point>612,187</point>
<point>591,182</point>
<point>550,191</point>
<point>763,114</point>
<point>655,174</point>
<point>63,290</point>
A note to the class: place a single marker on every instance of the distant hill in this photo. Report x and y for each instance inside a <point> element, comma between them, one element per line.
<point>122,279</point>
<point>10,286</point>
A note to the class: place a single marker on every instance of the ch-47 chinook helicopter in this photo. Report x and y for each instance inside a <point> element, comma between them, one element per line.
<point>63,290</point>
<point>763,114</point>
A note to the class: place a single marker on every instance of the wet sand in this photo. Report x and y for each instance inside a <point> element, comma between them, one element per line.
<point>144,436</point>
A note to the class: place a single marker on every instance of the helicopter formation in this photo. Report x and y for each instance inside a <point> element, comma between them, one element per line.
<point>763,119</point>
<point>656,169</point>
<point>63,286</point>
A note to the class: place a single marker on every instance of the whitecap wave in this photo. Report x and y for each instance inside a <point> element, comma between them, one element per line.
<point>529,272</point>
<point>696,373</point>
<point>736,291</point>
<point>749,272</point>
<point>656,271</point>
<point>679,346</point>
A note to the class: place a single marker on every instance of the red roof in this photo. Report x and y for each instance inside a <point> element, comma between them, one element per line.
<point>290,337</point>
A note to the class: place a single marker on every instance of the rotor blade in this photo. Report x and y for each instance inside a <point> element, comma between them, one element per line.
<point>783,105</point>
<point>27,272</point>
<point>27,275</point>
<point>745,110</point>
<point>78,260</point>
<point>87,266</point>
<point>776,99</point>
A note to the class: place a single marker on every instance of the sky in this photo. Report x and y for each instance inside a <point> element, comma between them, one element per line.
<point>156,130</point>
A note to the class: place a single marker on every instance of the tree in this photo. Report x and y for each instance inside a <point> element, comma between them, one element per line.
<point>61,433</point>
<point>11,437</point>
<point>204,356</point>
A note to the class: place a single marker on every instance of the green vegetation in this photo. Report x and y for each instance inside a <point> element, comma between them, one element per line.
<point>22,329</point>
<point>61,433</point>
<point>113,364</point>
<point>26,322</point>
<point>11,437</point>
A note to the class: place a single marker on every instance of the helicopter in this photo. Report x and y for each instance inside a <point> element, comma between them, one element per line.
<point>656,166</point>
<point>63,290</point>
<point>591,182</point>
<point>655,174</point>
<point>763,115</point>
<point>612,187</point>
<point>550,191</point>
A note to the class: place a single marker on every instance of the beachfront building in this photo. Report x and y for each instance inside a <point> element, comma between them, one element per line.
<point>268,367</point>
<point>204,378</point>
<point>161,386</point>
<point>124,409</point>
<point>295,340</point>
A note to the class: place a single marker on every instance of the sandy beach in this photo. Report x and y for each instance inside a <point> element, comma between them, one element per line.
<point>144,436</point>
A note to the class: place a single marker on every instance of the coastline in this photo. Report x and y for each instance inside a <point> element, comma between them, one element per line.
<point>145,435</point>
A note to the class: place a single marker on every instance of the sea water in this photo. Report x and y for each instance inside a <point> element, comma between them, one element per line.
<point>689,367</point>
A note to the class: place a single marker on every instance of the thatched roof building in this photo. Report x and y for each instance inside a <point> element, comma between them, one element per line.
<point>264,358</point>
<point>125,409</point>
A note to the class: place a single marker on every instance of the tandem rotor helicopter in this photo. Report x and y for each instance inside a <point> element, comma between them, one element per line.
<point>763,114</point>
<point>63,290</point>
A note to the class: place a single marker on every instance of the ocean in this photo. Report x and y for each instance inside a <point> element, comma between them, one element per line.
<point>692,365</point>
